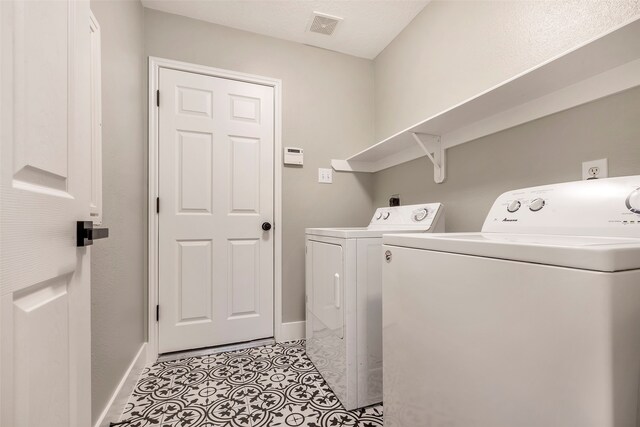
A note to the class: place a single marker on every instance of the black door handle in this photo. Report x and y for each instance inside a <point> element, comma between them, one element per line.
<point>266,226</point>
<point>86,234</point>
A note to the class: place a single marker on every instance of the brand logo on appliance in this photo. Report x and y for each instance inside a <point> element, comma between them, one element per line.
<point>510,220</point>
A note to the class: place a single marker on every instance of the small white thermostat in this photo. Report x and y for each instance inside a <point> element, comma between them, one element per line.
<point>293,156</point>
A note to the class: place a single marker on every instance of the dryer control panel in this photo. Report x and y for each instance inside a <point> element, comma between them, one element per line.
<point>422,216</point>
<point>603,207</point>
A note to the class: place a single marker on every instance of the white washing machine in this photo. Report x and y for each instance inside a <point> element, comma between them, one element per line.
<point>343,299</point>
<point>534,322</point>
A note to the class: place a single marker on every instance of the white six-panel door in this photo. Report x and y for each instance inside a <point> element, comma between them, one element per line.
<point>215,172</point>
<point>45,188</point>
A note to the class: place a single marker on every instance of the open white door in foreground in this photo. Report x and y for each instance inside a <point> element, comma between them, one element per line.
<point>216,192</point>
<point>45,320</point>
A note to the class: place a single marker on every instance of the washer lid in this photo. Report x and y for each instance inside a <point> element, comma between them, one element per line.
<point>358,232</point>
<point>588,253</point>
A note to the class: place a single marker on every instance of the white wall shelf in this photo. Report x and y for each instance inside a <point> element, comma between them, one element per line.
<point>604,66</point>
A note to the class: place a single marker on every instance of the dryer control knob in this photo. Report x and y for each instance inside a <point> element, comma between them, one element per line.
<point>420,214</point>
<point>633,201</point>
<point>514,206</point>
<point>386,215</point>
<point>536,205</point>
<point>378,215</point>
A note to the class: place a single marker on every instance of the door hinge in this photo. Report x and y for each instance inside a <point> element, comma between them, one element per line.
<point>158,97</point>
<point>157,204</point>
<point>157,313</point>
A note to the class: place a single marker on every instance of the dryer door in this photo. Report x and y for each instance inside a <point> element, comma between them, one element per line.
<point>326,290</point>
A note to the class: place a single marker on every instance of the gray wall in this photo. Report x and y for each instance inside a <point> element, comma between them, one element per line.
<point>118,264</point>
<point>454,50</point>
<point>328,101</point>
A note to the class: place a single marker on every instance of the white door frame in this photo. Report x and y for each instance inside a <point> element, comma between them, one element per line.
<point>154,70</point>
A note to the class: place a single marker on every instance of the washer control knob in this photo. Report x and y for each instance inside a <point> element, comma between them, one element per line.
<point>514,206</point>
<point>420,214</point>
<point>536,205</point>
<point>386,215</point>
<point>633,201</point>
<point>378,215</point>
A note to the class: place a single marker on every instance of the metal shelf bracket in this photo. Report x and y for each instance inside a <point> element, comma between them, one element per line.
<point>433,144</point>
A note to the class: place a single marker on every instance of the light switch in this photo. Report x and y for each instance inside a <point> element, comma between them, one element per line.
<point>325,176</point>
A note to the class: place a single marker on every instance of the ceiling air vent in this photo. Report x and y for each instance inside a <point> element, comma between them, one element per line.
<point>324,24</point>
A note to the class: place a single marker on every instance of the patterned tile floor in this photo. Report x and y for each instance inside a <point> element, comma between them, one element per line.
<point>274,385</point>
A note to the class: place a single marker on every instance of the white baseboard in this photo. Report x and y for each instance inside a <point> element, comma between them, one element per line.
<point>292,331</point>
<point>120,396</point>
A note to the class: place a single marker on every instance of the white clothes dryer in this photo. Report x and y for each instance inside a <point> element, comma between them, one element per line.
<point>533,322</point>
<point>343,299</point>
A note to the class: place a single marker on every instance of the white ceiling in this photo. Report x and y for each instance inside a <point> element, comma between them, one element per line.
<point>368,26</point>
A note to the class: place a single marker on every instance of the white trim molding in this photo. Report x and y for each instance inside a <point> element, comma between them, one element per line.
<point>154,69</point>
<point>96,120</point>
<point>292,331</point>
<point>116,405</point>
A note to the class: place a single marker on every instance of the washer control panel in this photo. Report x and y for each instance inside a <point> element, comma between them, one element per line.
<point>514,206</point>
<point>603,207</point>
<point>536,204</point>
<point>633,201</point>
<point>418,216</point>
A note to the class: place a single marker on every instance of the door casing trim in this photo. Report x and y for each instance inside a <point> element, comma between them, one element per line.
<point>155,64</point>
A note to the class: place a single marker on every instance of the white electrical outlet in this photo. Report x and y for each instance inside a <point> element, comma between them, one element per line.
<point>595,169</point>
<point>325,176</point>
